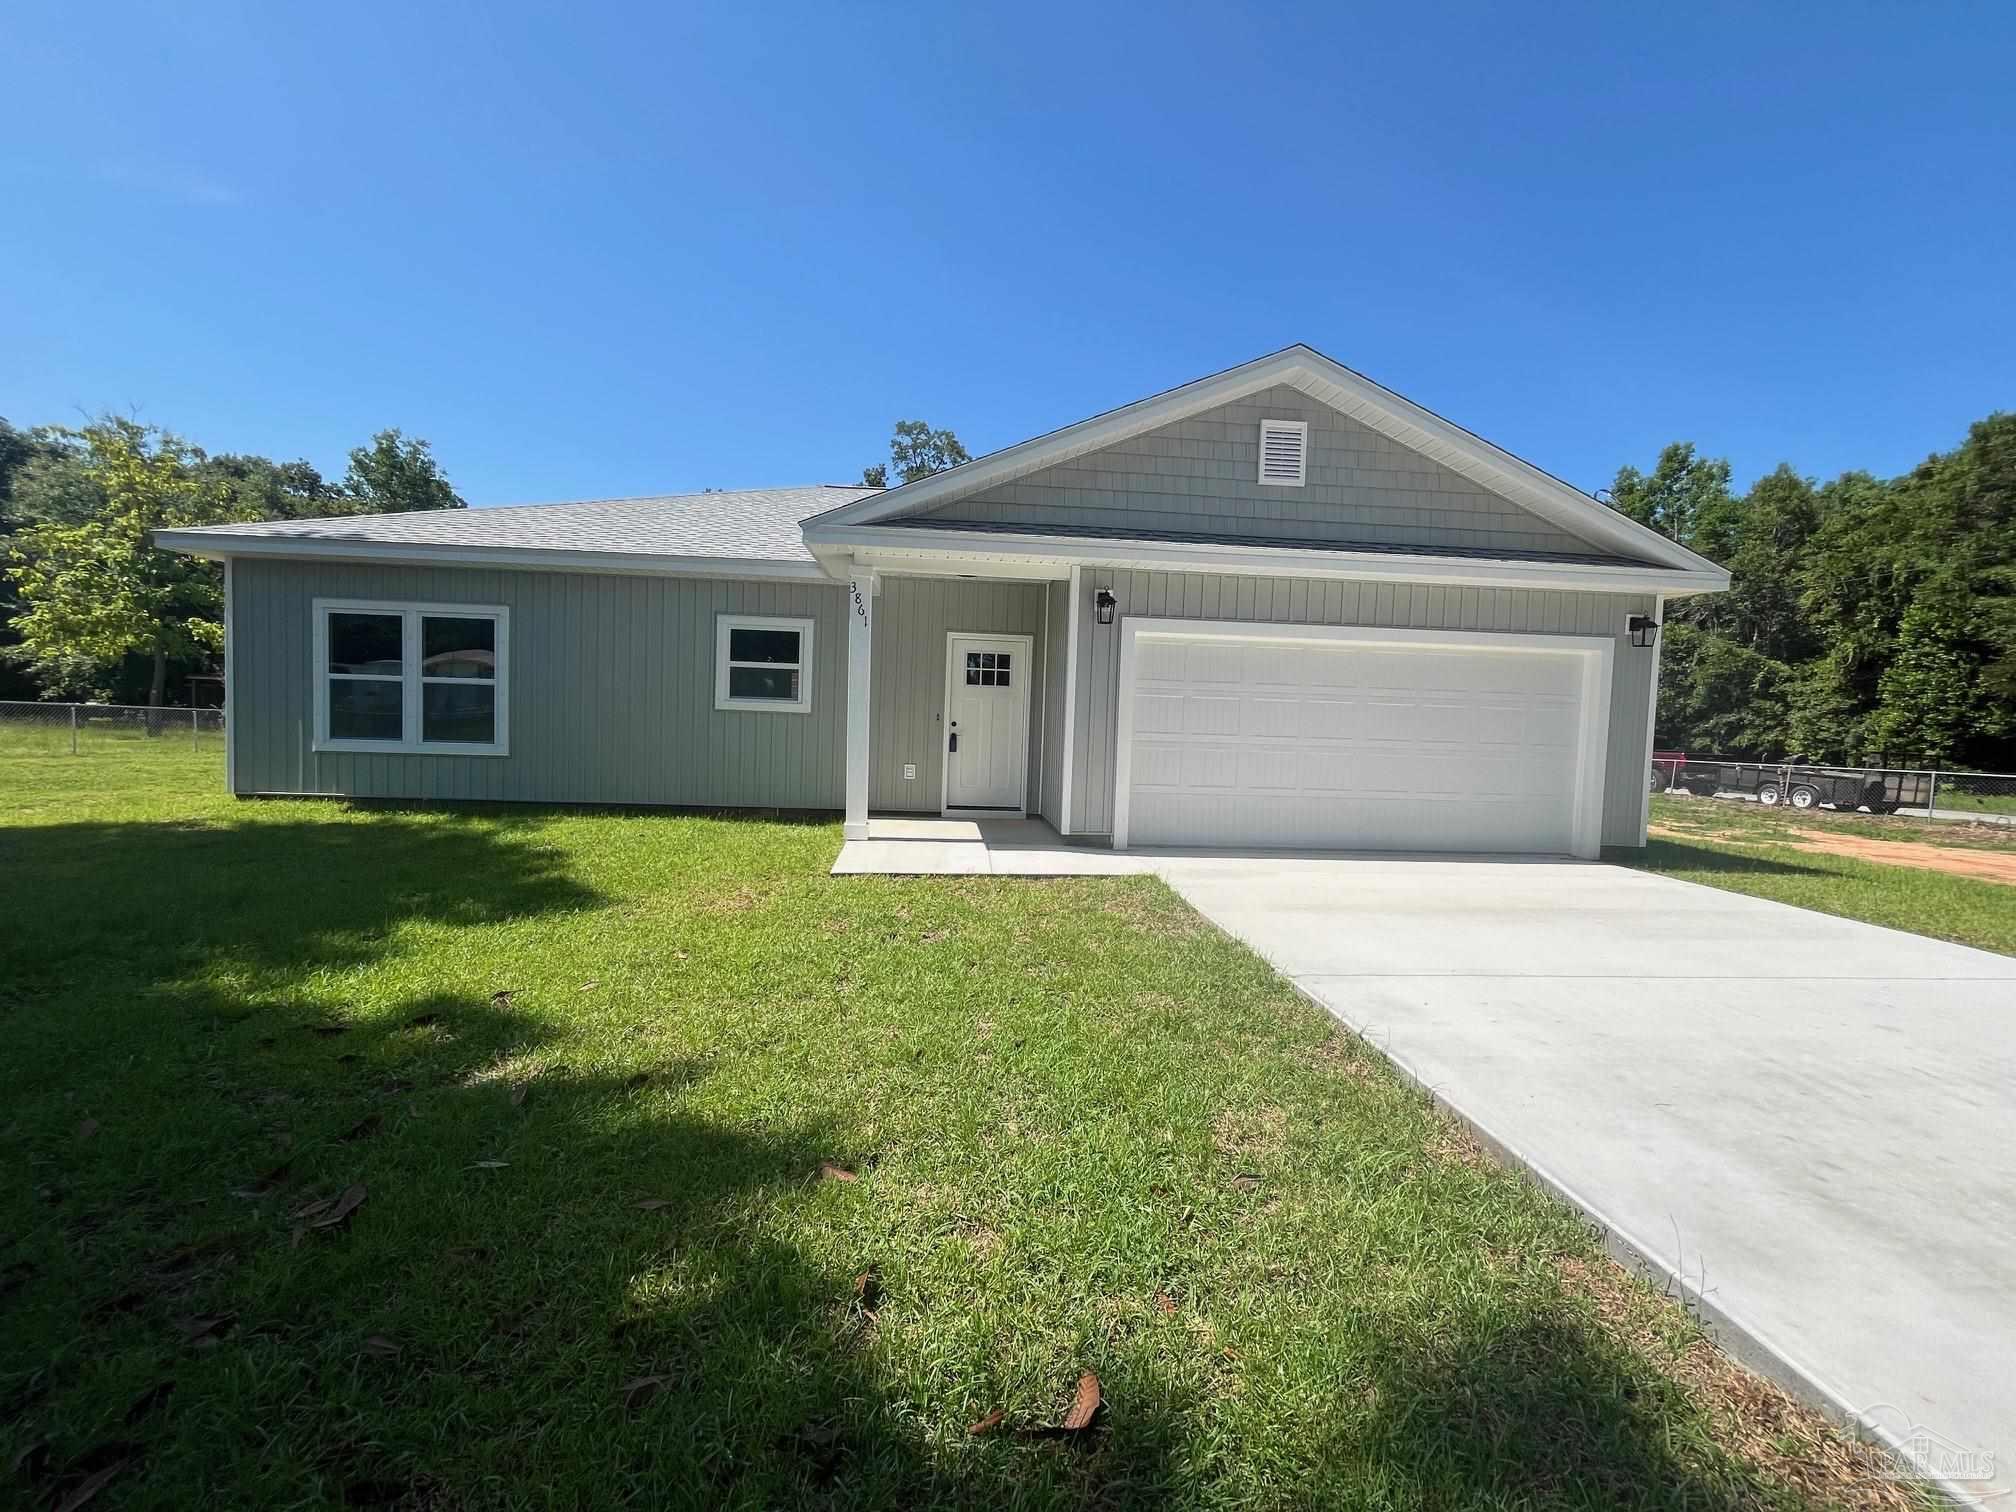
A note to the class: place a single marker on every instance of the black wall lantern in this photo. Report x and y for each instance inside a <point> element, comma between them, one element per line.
<point>1644,630</point>
<point>1105,603</point>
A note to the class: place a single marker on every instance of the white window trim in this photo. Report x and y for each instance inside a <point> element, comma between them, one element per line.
<point>1301,478</point>
<point>726,623</point>
<point>410,678</point>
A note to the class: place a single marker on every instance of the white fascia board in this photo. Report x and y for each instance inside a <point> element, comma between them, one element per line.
<point>1328,382</point>
<point>219,547</point>
<point>955,552</point>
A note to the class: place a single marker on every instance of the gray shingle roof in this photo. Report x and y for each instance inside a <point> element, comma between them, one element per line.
<point>757,524</point>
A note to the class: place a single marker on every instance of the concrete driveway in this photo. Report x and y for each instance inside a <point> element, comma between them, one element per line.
<point>1812,1120</point>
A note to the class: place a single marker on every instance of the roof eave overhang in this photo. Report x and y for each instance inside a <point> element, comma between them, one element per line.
<point>898,548</point>
<point>1329,382</point>
<point>219,546</point>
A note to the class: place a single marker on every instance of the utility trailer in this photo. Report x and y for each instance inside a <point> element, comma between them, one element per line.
<point>1876,789</point>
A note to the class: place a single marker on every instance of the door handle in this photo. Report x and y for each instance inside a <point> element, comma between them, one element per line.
<point>953,741</point>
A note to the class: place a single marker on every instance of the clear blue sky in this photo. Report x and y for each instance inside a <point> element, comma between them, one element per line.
<point>592,250</point>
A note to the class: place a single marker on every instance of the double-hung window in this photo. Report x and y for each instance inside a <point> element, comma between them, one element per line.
<point>761,662</point>
<point>411,677</point>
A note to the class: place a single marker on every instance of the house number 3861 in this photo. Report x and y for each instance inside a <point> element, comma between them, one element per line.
<point>860,602</point>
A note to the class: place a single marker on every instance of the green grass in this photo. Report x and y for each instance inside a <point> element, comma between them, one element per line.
<point>1090,1134</point>
<point>1736,847</point>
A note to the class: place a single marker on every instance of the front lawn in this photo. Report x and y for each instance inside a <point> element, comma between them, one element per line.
<point>527,1158</point>
<point>1748,850</point>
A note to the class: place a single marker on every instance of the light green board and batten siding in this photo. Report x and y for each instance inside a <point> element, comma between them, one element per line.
<point>1201,475</point>
<point>612,688</point>
<point>612,691</point>
<point>1307,601</point>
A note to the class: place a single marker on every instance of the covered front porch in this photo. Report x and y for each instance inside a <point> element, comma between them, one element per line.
<point>955,704</point>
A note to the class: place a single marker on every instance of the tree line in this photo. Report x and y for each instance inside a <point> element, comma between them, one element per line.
<point>1867,619</point>
<point>89,609</point>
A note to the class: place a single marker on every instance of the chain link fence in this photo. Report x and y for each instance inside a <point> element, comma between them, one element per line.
<point>53,729</point>
<point>1921,792</point>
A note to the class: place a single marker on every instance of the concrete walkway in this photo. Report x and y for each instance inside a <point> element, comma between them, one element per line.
<point>1812,1120</point>
<point>968,848</point>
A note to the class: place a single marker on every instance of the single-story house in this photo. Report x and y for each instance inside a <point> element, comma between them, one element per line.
<point>1280,606</point>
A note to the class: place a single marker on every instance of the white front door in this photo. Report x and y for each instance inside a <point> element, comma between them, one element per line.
<point>987,721</point>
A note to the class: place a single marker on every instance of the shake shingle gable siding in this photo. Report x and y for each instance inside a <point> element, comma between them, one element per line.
<point>1199,475</point>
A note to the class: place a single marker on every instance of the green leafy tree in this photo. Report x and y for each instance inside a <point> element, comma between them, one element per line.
<point>1718,696</point>
<point>394,475</point>
<point>1683,493</point>
<point>95,590</point>
<point>915,451</point>
<point>262,489</point>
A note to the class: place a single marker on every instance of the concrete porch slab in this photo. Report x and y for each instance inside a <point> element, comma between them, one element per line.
<point>1011,847</point>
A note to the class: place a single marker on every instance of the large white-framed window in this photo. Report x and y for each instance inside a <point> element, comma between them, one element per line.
<point>763,662</point>
<point>426,678</point>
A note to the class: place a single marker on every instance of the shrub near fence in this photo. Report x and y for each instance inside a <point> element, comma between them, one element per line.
<point>106,729</point>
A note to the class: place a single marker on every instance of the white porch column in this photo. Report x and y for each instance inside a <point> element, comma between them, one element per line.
<point>861,586</point>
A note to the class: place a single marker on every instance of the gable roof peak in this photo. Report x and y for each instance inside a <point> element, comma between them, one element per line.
<point>1328,382</point>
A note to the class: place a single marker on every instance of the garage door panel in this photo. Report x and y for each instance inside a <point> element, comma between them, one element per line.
<point>1271,717</point>
<point>1211,714</point>
<point>1329,718</point>
<point>1241,741</point>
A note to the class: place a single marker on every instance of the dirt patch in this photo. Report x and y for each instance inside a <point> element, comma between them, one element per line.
<point>1987,865</point>
<point>1250,1132</point>
<point>1452,1141</point>
<point>1785,1439</point>
<point>1140,908</point>
<point>1983,865</point>
<point>1345,1056</point>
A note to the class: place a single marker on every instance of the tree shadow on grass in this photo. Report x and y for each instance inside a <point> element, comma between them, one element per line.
<point>560,1280</point>
<point>1536,1412</point>
<point>562,1283</point>
<point>144,902</point>
<point>1680,856</point>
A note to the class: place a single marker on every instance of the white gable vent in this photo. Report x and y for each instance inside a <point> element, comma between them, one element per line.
<point>1284,452</point>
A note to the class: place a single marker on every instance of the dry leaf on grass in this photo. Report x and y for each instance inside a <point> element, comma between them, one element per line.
<point>328,1212</point>
<point>519,1093</point>
<point>1084,1404</point>
<point>486,1165</point>
<point>148,1400</point>
<point>1166,1302</point>
<point>502,997</point>
<point>380,1347</point>
<point>206,1329</point>
<point>640,1389</point>
<point>590,986</point>
<point>92,1484</point>
<point>868,1290</point>
<point>653,1204</point>
<point>987,1424</point>
<point>87,1128</point>
<point>832,1172</point>
<point>1246,1181</point>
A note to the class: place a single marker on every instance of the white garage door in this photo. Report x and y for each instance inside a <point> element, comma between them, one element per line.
<point>1431,743</point>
